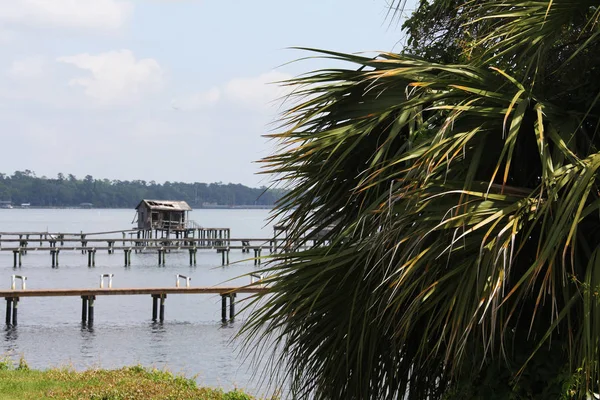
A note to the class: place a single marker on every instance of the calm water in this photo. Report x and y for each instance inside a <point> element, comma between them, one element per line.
<point>192,339</point>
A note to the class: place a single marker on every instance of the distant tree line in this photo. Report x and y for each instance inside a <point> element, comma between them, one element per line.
<point>68,191</point>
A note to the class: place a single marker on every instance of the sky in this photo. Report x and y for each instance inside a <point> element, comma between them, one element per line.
<point>163,90</point>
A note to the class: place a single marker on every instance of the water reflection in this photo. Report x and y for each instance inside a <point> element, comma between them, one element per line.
<point>87,330</point>
<point>157,328</point>
<point>12,333</point>
<point>11,336</point>
<point>87,334</point>
<point>159,342</point>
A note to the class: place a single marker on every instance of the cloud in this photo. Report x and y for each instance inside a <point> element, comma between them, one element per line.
<point>260,91</point>
<point>86,14</point>
<point>116,77</point>
<point>197,101</point>
<point>28,68</point>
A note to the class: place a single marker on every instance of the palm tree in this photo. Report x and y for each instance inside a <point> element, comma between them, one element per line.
<point>461,257</point>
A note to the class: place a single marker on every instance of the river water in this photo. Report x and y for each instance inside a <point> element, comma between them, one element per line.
<point>192,340</point>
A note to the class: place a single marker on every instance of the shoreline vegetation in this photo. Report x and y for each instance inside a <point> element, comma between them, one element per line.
<point>23,189</point>
<point>19,382</point>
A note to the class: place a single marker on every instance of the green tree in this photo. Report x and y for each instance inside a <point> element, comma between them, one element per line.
<point>452,193</point>
<point>25,187</point>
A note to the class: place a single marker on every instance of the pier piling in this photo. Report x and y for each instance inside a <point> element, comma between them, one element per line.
<point>91,300</point>
<point>84,306</point>
<point>231,297</point>
<point>54,254</point>
<point>257,252</point>
<point>92,258</point>
<point>8,310</point>
<point>223,308</point>
<point>15,308</point>
<point>232,307</point>
<point>127,253</point>
<point>155,298</point>
<point>162,307</point>
<point>192,256</point>
<point>16,256</point>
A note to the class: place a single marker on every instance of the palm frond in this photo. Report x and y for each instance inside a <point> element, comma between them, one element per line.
<point>463,220</point>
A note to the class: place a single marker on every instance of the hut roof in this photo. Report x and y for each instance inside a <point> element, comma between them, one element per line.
<point>165,205</point>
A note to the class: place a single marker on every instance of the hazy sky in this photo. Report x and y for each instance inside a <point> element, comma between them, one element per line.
<point>173,90</point>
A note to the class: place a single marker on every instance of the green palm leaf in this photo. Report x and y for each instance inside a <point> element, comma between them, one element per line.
<point>463,220</point>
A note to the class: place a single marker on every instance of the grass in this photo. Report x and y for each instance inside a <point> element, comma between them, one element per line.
<point>18,382</point>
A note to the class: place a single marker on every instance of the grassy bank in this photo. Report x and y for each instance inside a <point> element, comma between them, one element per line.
<point>20,382</point>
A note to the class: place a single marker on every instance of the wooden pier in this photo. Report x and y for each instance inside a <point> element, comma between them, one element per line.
<point>158,295</point>
<point>218,239</point>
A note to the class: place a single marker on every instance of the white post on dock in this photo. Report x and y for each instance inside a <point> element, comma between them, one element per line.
<point>13,284</point>
<point>109,276</point>
<point>256,278</point>
<point>187,280</point>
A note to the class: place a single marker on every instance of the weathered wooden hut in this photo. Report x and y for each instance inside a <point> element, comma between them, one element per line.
<point>162,215</point>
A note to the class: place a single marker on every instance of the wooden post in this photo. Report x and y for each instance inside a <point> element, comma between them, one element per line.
<point>91,309</point>
<point>154,306</point>
<point>224,308</point>
<point>231,306</point>
<point>160,251</point>
<point>8,310</point>
<point>127,253</point>
<point>227,255</point>
<point>54,254</point>
<point>15,310</point>
<point>15,258</point>
<point>162,307</point>
<point>89,259</point>
<point>84,306</point>
<point>23,246</point>
<point>223,257</point>
<point>195,251</point>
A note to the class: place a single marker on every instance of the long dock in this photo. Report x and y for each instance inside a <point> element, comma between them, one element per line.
<point>191,240</point>
<point>20,247</point>
<point>158,294</point>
